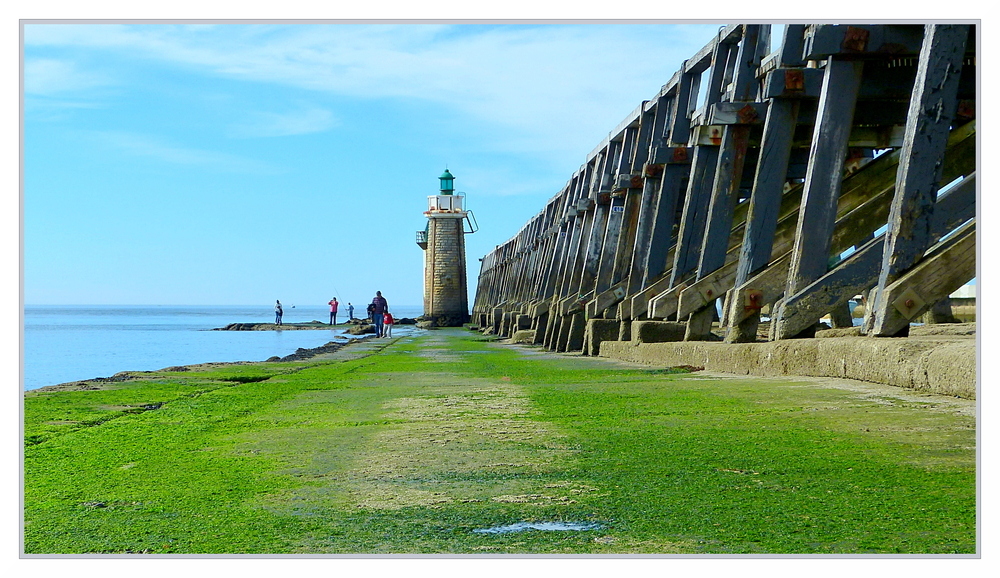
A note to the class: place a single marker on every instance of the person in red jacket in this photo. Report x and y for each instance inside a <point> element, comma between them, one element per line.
<point>333,310</point>
<point>387,324</point>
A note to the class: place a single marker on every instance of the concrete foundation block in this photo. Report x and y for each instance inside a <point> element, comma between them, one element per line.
<point>599,330</point>
<point>539,324</point>
<point>524,336</point>
<point>625,330</point>
<point>657,331</point>
<point>946,366</point>
<point>577,326</point>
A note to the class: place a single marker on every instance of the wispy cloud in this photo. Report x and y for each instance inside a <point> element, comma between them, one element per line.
<point>143,146</point>
<point>304,120</point>
<point>49,77</point>
<point>543,86</point>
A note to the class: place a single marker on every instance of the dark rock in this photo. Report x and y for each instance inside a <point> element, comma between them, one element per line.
<point>361,329</point>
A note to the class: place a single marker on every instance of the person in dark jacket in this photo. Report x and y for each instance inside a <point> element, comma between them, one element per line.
<point>379,307</point>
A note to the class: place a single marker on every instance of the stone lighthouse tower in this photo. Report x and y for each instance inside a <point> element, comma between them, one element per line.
<point>446,301</point>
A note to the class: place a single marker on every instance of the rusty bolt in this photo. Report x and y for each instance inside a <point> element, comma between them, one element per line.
<point>855,40</point>
<point>795,80</point>
<point>747,114</point>
<point>909,303</point>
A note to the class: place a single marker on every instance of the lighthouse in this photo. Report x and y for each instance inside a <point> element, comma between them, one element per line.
<point>446,301</point>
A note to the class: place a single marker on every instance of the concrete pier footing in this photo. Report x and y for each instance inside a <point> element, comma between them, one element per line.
<point>943,365</point>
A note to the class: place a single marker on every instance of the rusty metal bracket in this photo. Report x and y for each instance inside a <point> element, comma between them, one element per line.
<point>908,303</point>
<point>795,80</point>
<point>753,300</point>
<point>855,39</point>
<point>652,171</point>
<point>710,292</point>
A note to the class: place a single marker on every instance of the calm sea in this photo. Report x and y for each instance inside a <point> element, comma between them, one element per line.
<point>70,343</point>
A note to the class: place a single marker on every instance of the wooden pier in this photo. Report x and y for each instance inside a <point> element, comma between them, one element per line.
<point>789,182</point>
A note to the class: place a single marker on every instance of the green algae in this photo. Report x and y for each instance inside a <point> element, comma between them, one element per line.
<point>412,449</point>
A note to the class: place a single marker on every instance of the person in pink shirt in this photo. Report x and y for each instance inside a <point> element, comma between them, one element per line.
<point>333,310</point>
<point>387,324</point>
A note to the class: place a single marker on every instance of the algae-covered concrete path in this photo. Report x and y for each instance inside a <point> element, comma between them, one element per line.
<point>444,442</point>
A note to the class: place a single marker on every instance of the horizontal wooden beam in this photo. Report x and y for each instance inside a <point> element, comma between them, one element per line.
<point>825,40</point>
<point>946,267</point>
<point>730,113</point>
<point>860,271</point>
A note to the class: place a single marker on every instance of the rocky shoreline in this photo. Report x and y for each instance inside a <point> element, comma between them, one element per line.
<point>354,325</point>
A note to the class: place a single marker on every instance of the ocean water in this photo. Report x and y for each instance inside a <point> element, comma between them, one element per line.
<point>70,343</point>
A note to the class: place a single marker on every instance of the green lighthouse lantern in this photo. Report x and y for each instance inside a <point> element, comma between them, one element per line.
<point>447,183</point>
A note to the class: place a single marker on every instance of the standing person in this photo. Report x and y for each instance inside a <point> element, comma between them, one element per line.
<point>379,307</point>
<point>350,311</point>
<point>333,310</point>
<point>277,312</point>
<point>387,321</point>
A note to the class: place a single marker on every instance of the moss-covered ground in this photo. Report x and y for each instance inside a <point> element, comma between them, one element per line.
<point>416,447</point>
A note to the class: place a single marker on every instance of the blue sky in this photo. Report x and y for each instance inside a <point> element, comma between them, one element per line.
<point>238,164</point>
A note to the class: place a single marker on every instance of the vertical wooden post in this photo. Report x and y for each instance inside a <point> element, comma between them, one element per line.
<point>818,209</point>
<point>726,185</point>
<point>765,202</point>
<point>932,108</point>
<point>651,199</point>
<point>695,213</point>
<point>768,186</point>
<point>672,190</point>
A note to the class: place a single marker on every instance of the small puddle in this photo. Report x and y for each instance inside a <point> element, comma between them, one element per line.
<point>542,526</point>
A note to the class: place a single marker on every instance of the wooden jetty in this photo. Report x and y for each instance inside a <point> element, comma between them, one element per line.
<point>789,182</point>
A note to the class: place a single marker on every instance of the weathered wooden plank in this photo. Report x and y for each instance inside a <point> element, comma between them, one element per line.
<point>790,52</point>
<point>719,225</point>
<point>609,298</point>
<point>721,55</point>
<point>726,113</point>
<point>644,229</point>
<point>664,305</point>
<point>636,197</point>
<point>680,124</point>
<point>702,59</point>
<point>863,207</point>
<point>751,50</point>
<point>662,233</point>
<point>725,196</point>
<point>692,225</point>
<point>825,40</point>
<point>859,271</point>
<point>817,213</point>
<point>946,267</point>
<point>587,244</point>
<point>932,109</point>
<point>623,204</point>
<point>765,199</point>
